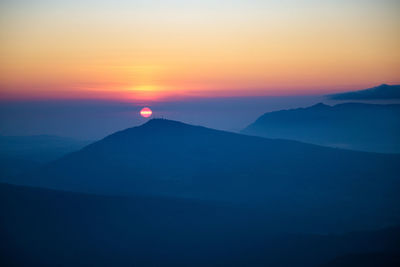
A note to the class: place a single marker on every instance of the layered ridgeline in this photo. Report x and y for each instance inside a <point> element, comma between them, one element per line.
<point>381,92</point>
<point>40,227</point>
<point>366,127</point>
<point>169,158</point>
<point>41,148</point>
<point>19,154</point>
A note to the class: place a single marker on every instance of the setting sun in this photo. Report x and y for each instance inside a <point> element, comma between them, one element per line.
<point>146,112</point>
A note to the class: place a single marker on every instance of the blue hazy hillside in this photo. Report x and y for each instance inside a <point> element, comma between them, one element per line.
<point>42,148</point>
<point>366,127</point>
<point>40,227</point>
<point>20,154</point>
<point>169,158</point>
<point>381,92</point>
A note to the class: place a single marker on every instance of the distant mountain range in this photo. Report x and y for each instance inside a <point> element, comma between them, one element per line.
<point>40,227</point>
<point>42,148</point>
<point>20,154</point>
<point>366,127</point>
<point>283,178</point>
<point>381,92</point>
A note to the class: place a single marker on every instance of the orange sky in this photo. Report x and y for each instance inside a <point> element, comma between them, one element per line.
<point>153,50</point>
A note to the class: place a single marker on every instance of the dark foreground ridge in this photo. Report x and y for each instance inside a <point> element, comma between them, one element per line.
<point>40,227</point>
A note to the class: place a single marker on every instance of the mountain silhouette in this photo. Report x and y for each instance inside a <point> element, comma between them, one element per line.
<point>40,227</point>
<point>20,154</point>
<point>366,127</point>
<point>169,158</point>
<point>383,91</point>
<point>41,148</point>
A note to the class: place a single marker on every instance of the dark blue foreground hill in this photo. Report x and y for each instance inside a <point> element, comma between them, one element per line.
<point>366,127</point>
<point>40,227</point>
<point>169,158</point>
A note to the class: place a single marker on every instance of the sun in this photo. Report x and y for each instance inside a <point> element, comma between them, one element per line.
<point>146,112</point>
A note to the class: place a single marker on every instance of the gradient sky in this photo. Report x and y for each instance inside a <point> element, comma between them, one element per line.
<point>156,49</point>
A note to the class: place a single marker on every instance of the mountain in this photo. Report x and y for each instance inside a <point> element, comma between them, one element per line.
<point>41,148</point>
<point>347,189</point>
<point>365,127</point>
<point>40,227</point>
<point>370,259</point>
<point>382,91</point>
<point>20,154</point>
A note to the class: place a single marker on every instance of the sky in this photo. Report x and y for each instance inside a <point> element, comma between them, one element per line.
<point>85,68</point>
<point>154,50</point>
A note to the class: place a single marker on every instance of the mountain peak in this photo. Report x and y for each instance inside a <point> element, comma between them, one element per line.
<point>156,126</point>
<point>383,85</point>
<point>320,105</point>
<point>383,91</point>
<point>161,122</point>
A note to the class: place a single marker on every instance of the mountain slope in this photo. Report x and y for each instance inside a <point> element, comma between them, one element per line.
<point>41,227</point>
<point>366,127</point>
<point>20,154</point>
<point>168,158</point>
<point>41,148</point>
<point>382,91</point>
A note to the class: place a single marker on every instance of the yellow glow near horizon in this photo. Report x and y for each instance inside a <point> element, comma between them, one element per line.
<point>146,92</point>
